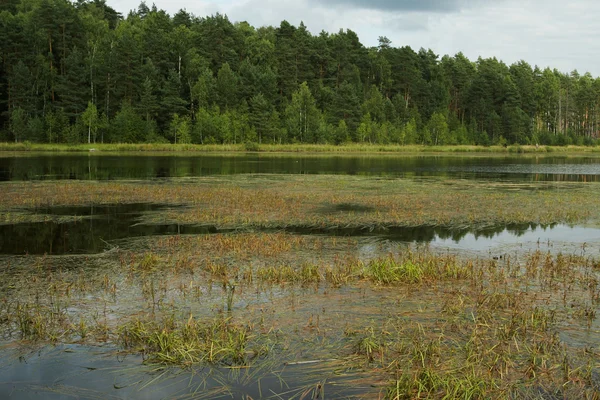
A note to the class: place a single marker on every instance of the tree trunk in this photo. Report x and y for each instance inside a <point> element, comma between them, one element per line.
<point>51,65</point>
<point>107,94</point>
<point>179,70</point>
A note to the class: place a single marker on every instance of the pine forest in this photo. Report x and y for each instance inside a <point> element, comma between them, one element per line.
<point>80,72</point>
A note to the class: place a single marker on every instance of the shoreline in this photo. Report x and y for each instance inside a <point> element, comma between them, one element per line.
<point>294,148</point>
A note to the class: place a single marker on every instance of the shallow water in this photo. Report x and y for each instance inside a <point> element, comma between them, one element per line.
<point>75,371</point>
<point>534,237</point>
<point>123,166</point>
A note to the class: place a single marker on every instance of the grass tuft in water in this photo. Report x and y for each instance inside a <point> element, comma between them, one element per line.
<point>388,271</point>
<point>217,342</point>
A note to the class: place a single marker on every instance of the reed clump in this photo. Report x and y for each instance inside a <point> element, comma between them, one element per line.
<point>416,268</point>
<point>37,322</point>
<point>220,341</point>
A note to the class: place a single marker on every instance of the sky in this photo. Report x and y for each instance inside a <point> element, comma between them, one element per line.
<point>549,33</point>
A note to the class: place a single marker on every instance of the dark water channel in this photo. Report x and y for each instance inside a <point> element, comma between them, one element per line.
<point>86,230</point>
<point>96,228</point>
<point>25,167</point>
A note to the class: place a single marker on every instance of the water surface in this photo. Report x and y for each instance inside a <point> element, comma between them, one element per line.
<point>152,166</point>
<point>87,230</point>
<point>85,372</point>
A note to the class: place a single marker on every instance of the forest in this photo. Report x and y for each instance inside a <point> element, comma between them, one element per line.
<point>80,72</point>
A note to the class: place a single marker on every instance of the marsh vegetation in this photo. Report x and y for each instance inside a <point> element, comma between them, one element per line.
<point>287,286</point>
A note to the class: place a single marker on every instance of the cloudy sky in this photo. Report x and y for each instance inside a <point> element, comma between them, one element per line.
<point>560,34</point>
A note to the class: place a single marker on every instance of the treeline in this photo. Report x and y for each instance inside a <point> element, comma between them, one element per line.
<point>81,72</point>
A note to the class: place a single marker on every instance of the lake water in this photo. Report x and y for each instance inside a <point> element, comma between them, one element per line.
<point>125,166</point>
<point>83,372</point>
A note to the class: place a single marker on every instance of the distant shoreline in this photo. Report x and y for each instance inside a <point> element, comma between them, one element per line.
<point>294,148</point>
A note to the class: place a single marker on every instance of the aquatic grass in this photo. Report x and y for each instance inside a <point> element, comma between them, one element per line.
<point>388,270</point>
<point>367,343</point>
<point>148,263</point>
<point>430,383</point>
<point>296,203</point>
<point>36,322</point>
<point>477,325</point>
<point>433,367</point>
<point>343,272</point>
<point>277,274</point>
<point>217,342</point>
<point>429,324</point>
<point>411,268</point>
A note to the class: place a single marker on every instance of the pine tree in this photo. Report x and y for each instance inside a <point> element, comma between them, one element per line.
<point>260,111</point>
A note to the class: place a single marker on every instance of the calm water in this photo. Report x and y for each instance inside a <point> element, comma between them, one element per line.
<point>111,167</point>
<point>97,228</point>
<point>82,372</point>
<point>91,229</point>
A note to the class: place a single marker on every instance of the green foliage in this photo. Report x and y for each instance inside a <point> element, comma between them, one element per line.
<point>302,116</point>
<point>180,129</point>
<point>91,120</point>
<point>389,270</point>
<point>438,128</point>
<point>341,133</point>
<point>260,111</point>
<point>217,342</point>
<point>57,124</point>
<point>227,86</point>
<point>127,126</point>
<point>35,129</point>
<point>235,83</point>
<point>251,146</point>
<point>18,124</point>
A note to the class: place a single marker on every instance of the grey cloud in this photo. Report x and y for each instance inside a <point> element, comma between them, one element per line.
<point>404,23</point>
<point>441,6</point>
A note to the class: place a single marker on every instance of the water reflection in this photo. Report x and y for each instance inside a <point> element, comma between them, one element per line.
<point>112,167</point>
<point>554,236</point>
<point>526,236</point>
<point>92,229</point>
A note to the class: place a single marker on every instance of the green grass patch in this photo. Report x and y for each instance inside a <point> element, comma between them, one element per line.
<point>219,341</point>
<point>388,270</point>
